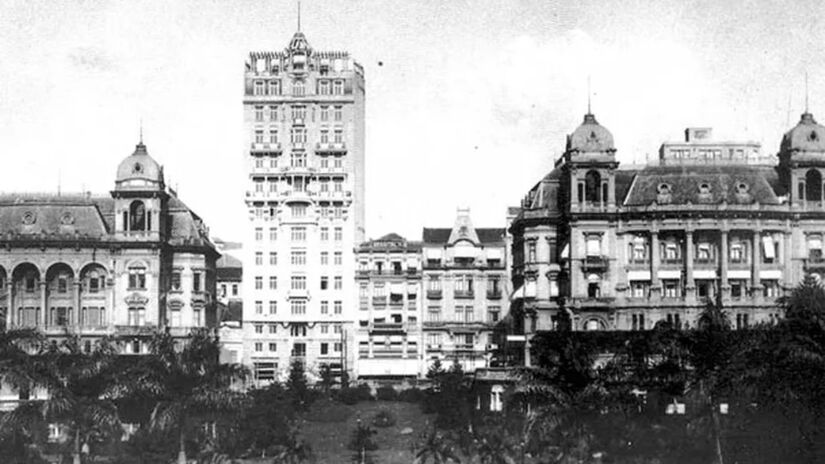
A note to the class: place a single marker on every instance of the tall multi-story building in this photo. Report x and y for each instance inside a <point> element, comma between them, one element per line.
<point>466,290</point>
<point>389,309</point>
<point>304,158</point>
<point>625,249</point>
<point>124,264</point>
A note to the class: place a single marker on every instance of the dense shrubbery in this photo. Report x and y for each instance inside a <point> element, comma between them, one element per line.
<point>386,393</point>
<point>353,395</point>
<point>411,395</point>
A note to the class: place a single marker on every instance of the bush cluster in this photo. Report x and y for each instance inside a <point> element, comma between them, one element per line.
<point>352,395</point>
<point>384,418</point>
<point>387,393</point>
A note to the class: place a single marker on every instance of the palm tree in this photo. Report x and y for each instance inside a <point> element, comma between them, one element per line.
<point>186,383</point>
<point>76,383</point>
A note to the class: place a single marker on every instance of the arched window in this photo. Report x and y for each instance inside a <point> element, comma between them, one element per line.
<point>137,214</point>
<point>813,185</point>
<point>592,187</point>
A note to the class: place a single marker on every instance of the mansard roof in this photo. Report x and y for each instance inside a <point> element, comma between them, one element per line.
<point>62,217</point>
<point>441,236</point>
<point>702,184</point>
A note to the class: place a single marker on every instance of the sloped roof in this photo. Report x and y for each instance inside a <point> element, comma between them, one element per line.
<point>51,215</point>
<point>441,236</point>
<point>683,185</point>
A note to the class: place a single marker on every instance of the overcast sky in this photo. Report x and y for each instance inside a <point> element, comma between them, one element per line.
<point>468,102</point>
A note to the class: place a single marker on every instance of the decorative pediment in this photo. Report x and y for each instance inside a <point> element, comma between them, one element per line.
<point>136,299</point>
<point>175,305</point>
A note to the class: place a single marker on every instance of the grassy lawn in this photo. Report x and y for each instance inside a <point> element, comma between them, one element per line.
<point>328,426</point>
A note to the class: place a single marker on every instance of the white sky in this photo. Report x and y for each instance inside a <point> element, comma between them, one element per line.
<point>470,107</point>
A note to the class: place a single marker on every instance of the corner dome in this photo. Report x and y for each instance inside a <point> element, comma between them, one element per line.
<point>807,135</point>
<point>590,137</point>
<point>139,171</point>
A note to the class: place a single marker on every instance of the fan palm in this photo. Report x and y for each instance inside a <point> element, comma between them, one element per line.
<point>187,384</point>
<point>75,383</point>
<point>436,449</point>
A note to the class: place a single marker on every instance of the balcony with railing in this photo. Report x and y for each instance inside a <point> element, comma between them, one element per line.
<point>434,294</point>
<point>379,300</point>
<point>494,294</point>
<point>330,147</point>
<point>595,263</point>
<point>266,147</point>
<point>464,294</point>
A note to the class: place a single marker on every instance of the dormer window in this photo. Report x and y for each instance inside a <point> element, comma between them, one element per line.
<point>813,137</point>
<point>663,193</point>
<point>704,189</point>
<point>742,188</point>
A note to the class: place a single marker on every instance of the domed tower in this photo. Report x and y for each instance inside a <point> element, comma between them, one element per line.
<point>140,196</point>
<point>298,52</point>
<point>802,163</point>
<point>590,159</point>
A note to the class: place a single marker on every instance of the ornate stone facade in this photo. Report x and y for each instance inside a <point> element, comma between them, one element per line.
<point>625,249</point>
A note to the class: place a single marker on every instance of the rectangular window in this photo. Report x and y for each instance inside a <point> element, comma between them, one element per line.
<point>324,136</point>
<point>737,253</point>
<point>324,234</point>
<point>594,245</point>
<point>324,282</point>
<point>259,234</point>
<point>338,136</point>
<point>273,234</point>
<point>258,88</point>
<point>259,258</point>
<point>339,258</point>
<point>259,136</point>
<point>259,307</point>
<point>339,234</point>
<point>298,258</point>
<point>273,282</point>
<point>737,288</point>
<point>324,329</point>
<point>259,328</point>
<point>298,135</point>
<point>274,87</point>
<point>273,113</point>
<point>671,288</point>
<point>771,288</point>
<point>298,307</point>
<point>234,289</point>
<point>493,313</point>
<point>338,113</point>
<point>298,330</point>
<point>273,347</point>
<point>337,346</point>
<point>299,234</point>
<point>259,113</point>
<point>324,113</point>
<point>298,283</point>
<point>324,348</point>
<point>137,278</point>
<point>324,258</point>
<point>531,251</point>
<point>259,346</point>
<point>324,307</point>
<point>299,211</point>
<point>273,258</point>
<point>273,328</point>
<point>137,316</point>
<point>338,307</point>
<point>273,307</point>
<point>639,289</point>
<point>259,283</point>
<point>273,136</point>
<point>176,280</point>
<point>338,283</point>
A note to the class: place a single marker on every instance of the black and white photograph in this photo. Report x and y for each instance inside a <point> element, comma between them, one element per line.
<point>412,232</point>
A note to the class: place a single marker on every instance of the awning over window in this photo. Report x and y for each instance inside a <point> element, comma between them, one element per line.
<point>494,253</point>
<point>767,247</point>
<point>594,247</point>
<point>397,289</point>
<point>669,274</point>
<point>638,275</point>
<point>704,274</point>
<point>530,289</point>
<point>739,274</point>
<point>464,251</point>
<point>518,294</point>
<point>433,253</point>
<point>771,274</point>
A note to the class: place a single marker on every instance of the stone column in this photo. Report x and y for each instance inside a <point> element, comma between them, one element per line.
<point>756,285</point>
<point>787,258</point>
<point>43,309</point>
<point>690,287</point>
<point>11,312</point>
<point>723,256</point>
<point>76,317</point>
<point>655,284</point>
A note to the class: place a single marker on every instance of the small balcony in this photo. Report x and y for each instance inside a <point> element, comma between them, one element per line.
<point>327,147</point>
<point>434,294</point>
<point>595,263</point>
<point>494,295</point>
<point>379,301</point>
<point>464,294</point>
<point>266,147</point>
